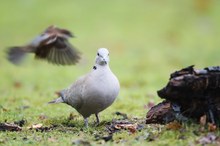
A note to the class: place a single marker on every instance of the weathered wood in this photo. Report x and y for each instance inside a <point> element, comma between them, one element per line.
<point>9,127</point>
<point>161,113</point>
<point>195,92</point>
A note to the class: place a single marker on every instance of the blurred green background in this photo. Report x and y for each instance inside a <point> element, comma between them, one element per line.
<point>147,40</point>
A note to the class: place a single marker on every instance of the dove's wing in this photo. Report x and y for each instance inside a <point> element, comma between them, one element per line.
<point>74,94</point>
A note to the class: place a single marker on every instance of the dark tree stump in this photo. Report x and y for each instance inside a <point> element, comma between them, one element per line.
<point>194,92</point>
<point>161,113</point>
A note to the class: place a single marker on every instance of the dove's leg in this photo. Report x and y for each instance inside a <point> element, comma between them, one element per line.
<point>86,122</point>
<point>97,119</point>
<point>211,116</point>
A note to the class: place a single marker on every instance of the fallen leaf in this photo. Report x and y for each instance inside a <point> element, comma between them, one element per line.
<point>35,126</point>
<point>173,125</point>
<point>212,127</point>
<point>123,125</point>
<point>40,128</point>
<point>131,127</point>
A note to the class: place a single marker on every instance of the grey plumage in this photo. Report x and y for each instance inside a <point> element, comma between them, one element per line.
<point>52,45</point>
<point>93,92</point>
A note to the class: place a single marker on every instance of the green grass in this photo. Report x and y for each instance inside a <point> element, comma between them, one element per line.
<point>147,41</point>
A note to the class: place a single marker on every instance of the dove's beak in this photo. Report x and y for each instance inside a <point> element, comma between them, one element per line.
<point>104,60</point>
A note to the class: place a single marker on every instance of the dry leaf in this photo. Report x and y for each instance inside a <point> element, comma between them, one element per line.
<point>131,127</point>
<point>35,126</point>
<point>173,125</point>
<point>212,127</point>
<point>124,125</point>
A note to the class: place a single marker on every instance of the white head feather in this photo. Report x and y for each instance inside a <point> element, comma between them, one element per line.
<point>102,57</point>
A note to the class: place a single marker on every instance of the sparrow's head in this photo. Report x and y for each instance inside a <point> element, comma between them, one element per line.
<point>63,33</point>
<point>102,57</point>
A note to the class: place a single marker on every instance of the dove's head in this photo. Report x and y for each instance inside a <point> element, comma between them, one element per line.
<point>102,57</point>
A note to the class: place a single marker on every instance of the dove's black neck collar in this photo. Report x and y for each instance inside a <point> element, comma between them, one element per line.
<point>94,67</point>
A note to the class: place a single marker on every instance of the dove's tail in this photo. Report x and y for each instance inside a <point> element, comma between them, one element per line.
<point>58,100</point>
<point>16,54</point>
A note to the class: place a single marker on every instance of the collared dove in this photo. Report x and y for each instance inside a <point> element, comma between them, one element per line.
<point>52,45</point>
<point>93,92</point>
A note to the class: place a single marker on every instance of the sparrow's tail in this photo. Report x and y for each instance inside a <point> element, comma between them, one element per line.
<point>16,54</point>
